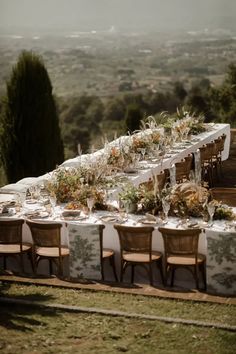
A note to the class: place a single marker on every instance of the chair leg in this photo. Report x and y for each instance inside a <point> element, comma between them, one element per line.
<point>132,273</point>
<point>4,262</point>
<point>209,176</point>
<point>121,270</point>
<point>22,262</point>
<point>166,270</point>
<point>31,258</point>
<point>217,172</point>
<point>112,262</point>
<point>60,266</point>
<point>159,265</point>
<point>102,269</point>
<point>172,276</point>
<point>196,272</point>
<point>50,266</point>
<point>204,275</point>
<point>221,169</point>
<point>150,274</point>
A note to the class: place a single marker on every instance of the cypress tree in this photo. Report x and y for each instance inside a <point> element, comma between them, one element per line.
<point>133,117</point>
<point>30,143</point>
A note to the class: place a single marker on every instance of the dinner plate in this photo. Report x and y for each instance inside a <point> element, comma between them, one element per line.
<point>75,218</point>
<point>37,215</point>
<point>130,170</point>
<point>109,218</point>
<point>31,201</point>
<point>32,215</point>
<point>43,214</point>
<point>5,214</point>
<point>147,222</point>
<point>193,225</point>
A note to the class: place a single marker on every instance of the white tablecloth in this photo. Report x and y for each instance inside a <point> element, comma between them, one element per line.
<point>110,235</point>
<point>217,284</point>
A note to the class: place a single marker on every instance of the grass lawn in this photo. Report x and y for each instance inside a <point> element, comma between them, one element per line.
<point>33,330</point>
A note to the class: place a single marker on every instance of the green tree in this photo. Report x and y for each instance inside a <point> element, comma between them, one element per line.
<point>80,121</point>
<point>179,91</point>
<point>223,99</point>
<point>30,141</point>
<point>133,117</point>
<point>115,109</point>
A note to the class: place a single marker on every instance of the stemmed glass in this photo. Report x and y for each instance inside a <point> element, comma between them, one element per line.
<point>165,207</point>
<point>136,160</point>
<point>186,132</point>
<point>90,204</point>
<point>22,198</point>
<point>53,202</point>
<point>142,151</point>
<point>37,191</point>
<point>133,159</point>
<point>211,211</point>
<point>31,191</point>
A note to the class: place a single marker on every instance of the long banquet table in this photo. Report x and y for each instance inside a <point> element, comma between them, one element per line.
<point>170,158</point>
<point>110,237</point>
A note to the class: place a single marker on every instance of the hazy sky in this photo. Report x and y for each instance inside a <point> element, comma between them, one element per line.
<point>121,13</point>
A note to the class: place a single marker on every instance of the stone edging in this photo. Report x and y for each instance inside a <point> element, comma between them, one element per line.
<point>94,310</point>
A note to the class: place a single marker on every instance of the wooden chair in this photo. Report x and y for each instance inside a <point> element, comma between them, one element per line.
<point>136,249</point>
<point>206,163</point>
<point>11,244</point>
<point>183,168</point>
<point>47,244</point>
<point>106,254</point>
<point>161,180</point>
<point>224,195</point>
<point>181,250</point>
<point>220,148</point>
<point>215,157</point>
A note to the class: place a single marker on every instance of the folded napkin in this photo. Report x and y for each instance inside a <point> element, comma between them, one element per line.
<point>148,219</point>
<point>5,206</point>
<point>32,214</point>
<point>110,218</point>
<point>36,214</point>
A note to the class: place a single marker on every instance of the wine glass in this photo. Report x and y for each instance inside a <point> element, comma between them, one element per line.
<point>31,191</point>
<point>211,212</point>
<point>53,202</point>
<point>133,159</point>
<point>143,152</point>
<point>90,204</point>
<point>37,191</point>
<point>186,133</point>
<point>165,207</point>
<point>21,198</point>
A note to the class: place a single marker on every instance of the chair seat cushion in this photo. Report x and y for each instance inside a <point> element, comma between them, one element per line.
<point>52,251</point>
<point>141,257</point>
<point>14,248</point>
<point>185,260</point>
<point>106,253</point>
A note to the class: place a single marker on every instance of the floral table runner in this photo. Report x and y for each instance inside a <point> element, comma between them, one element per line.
<point>221,262</point>
<point>84,244</point>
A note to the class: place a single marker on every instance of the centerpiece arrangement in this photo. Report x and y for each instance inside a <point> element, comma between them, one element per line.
<point>129,197</point>
<point>188,199</point>
<point>96,174</point>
